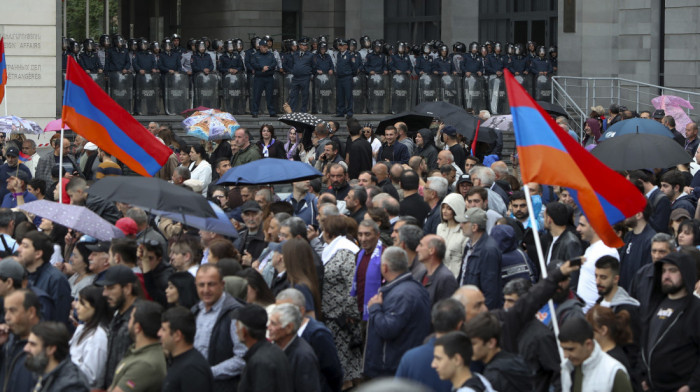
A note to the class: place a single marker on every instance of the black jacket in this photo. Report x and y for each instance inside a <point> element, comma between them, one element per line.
<point>567,247</point>
<point>415,206</point>
<point>156,281</point>
<point>107,210</point>
<point>508,372</point>
<point>14,376</point>
<point>441,284</point>
<point>254,244</point>
<point>428,151</point>
<point>321,340</point>
<point>538,347</point>
<point>118,342</point>
<point>304,364</point>
<point>65,377</point>
<point>267,369</point>
<point>673,359</point>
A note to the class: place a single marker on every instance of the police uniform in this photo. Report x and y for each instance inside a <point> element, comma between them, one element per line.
<point>170,61</point>
<point>518,65</point>
<point>323,63</point>
<point>118,60</point>
<point>400,62</point>
<point>540,64</point>
<point>302,68</point>
<point>229,61</point>
<point>424,64</point>
<point>200,61</point>
<point>90,62</point>
<point>346,67</point>
<point>263,81</point>
<point>375,62</point>
<point>495,63</point>
<point>442,65</point>
<point>472,63</point>
<point>144,60</point>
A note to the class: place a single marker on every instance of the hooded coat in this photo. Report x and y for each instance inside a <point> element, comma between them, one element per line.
<point>428,151</point>
<point>514,263</point>
<point>455,241</point>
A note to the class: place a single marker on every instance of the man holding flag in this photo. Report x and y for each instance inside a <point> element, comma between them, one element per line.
<point>11,168</point>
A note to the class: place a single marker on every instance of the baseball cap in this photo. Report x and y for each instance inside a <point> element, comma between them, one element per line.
<point>118,274</point>
<point>102,246</point>
<point>476,215</point>
<point>449,130</point>
<point>253,316</point>
<point>9,268</point>
<point>12,152</point>
<point>128,226</point>
<point>22,175</point>
<point>679,213</point>
<point>250,205</point>
<point>659,114</point>
<point>465,178</point>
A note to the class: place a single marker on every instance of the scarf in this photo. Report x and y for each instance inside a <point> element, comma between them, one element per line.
<point>373,280</point>
<point>291,150</point>
<point>340,242</point>
<point>265,151</point>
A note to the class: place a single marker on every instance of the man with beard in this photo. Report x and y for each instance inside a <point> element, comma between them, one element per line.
<point>613,296</point>
<point>48,356</point>
<point>518,209</point>
<point>671,338</point>
<point>143,366</point>
<point>121,291</point>
<point>637,250</point>
<point>21,314</point>
<point>338,176</point>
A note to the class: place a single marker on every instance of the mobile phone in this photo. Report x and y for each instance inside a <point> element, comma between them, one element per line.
<point>576,261</point>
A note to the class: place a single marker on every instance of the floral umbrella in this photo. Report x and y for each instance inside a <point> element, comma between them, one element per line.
<point>13,124</point>
<point>211,124</point>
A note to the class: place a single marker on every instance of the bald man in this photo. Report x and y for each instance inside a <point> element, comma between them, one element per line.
<point>437,279</point>
<point>381,171</point>
<point>403,137</point>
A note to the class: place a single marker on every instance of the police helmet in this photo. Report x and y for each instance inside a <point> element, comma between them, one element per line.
<point>443,48</point>
<point>175,36</point>
<point>118,41</point>
<point>322,38</point>
<point>365,41</point>
<point>518,50</point>
<point>531,43</point>
<point>201,46</point>
<point>352,44</point>
<point>105,42</point>
<point>497,47</point>
<point>473,47</point>
<point>510,48</point>
<point>155,47</point>
<point>415,49</point>
<point>167,44</point>
<point>143,44</point>
<point>263,42</point>
<point>388,49</point>
<point>377,45</point>
<point>207,42</point>
<point>88,45</point>
<point>484,50</point>
<point>254,41</point>
<point>74,46</point>
<point>192,44</point>
<point>552,50</point>
<point>488,43</point>
<point>541,51</point>
<point>427,48</point>
<point>293,45</point>
<point>322,45</point>
<point>133,44</point>
<point>238,44</point>
<point>401,47</point>
<point>460,47</point>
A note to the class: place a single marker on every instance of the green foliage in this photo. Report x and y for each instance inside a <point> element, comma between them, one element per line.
<point>75,15</point>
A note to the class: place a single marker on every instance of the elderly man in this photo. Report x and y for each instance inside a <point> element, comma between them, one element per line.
<point>29,149</point>
<point>437,279</point>
<point>433,193</point>
<point>691,139</point>
<point>445,157</point>
<point>381,175</point>
<point>368,276</point>
<point>252,239</point>
<point>49,160</point>
<point>408,237</point>
<point>246,152</point>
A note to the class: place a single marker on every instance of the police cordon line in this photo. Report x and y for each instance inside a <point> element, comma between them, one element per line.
<point>375,77</point>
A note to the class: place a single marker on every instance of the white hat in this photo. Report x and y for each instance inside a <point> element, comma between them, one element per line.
<point>90,147</point>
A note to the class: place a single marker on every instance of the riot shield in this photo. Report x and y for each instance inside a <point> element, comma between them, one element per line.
<point>99,79</point>
<point>496,94</point>
<point>206,90</point>
<point>400,93</point>
<point>233,87</point>
<point>377,98</point>
<point>176,93</point>
<point>451,90</point>
<point>121,89</point>
<point>474,93</point>
<point>525,81</point>
<point>147,102</point>
<point>359,102</point>
<point>427,89</point>
<point>324,94</point>
<point>543,88</point>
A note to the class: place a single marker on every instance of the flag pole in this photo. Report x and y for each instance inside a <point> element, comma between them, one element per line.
<point>60,169</point>
<point>5,99</point>
<point>543,266</point>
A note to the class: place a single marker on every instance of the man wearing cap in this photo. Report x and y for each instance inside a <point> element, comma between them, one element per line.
<point>464,184</point>
<point>481,265</point>
<point>10,168</point>
<point>659,115</point>
<point>35,254</point>
<point>13,277</point>
<point>89,162</point>
<point>99,259</point>
<point>121,291</point>
<point>264,67</point>
<point>267,367</point>
<point>345,68</point>
<point>18,195</point>
<point>51,158</point>
<point>252,239</point>
<point>302,64</point>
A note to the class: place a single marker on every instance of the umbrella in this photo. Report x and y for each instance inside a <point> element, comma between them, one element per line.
<point>301,121</point>
<point>553,108</point>
<point>220,225</point>
<point>211,124</point>
<point>74,217</point>
<point>189,112</point>
<point>437,109</point>
<point>466,126</point>
<point>55,125</point>
<point>152,194</point>
<point>673,106</point>
<point>414,121</point>
<point>501,123</point>
<point>640,151</point>
<point>269,171</point>
<point>13,124</point>
<point>636,125</point>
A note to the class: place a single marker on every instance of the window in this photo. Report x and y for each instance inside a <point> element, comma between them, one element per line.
<point>412,20</point>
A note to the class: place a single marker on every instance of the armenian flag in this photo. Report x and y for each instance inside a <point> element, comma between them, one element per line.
<point>24,157</point>
<point>3,69</point>
<point>91,113</point>
<point>548,155</point>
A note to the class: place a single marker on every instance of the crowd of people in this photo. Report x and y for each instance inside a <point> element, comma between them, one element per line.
<point>306,58</point>
<point>410,258</point>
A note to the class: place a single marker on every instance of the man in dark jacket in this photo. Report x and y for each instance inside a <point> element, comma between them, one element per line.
<point>425,147</point>
<point>392,151</point>
<point>59,373</point>
<point>662,245</point>
<point>671,338</point>
<point>413,203</point>
<point>216,337</point>
<point>21,314</point>
<point>266,366</point>
<point>252,239</point>
<point>339,186</point>
<point>564,243</point>
<point>672,184</point>
<point>434,191</point>
<point>285,320</point>
<point>359,152</point>
<point>637,249</point>
<point>77,190</point>
<point>397,316</point>
<point>156,271</point>
<point>437,279</point>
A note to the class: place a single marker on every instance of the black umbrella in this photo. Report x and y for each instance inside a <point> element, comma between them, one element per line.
<point>152,194</point>
<point>553,108</point>
<point>466,126</point>
<point>414,121</point>
<point>640,151</point>
<point>438,109</point>
<point>303,122</point>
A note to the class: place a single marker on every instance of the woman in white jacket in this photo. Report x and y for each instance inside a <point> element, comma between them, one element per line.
<point>88,347</point>
<point>200,169</point>
<point>452,212</point>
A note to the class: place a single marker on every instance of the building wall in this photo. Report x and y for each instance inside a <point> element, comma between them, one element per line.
<point>364,17</point>
<point>460,21</point>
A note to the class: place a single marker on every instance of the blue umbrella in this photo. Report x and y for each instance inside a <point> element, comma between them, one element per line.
<point>220,225</point>
<point>269,171</point>
<point>73,217</point>
<point>636,125</point>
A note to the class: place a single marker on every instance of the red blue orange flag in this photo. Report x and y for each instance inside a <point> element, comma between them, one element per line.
<point>3,69</point>
<point>91,113</point>
<point>548,155</point>
<point>24,157</point>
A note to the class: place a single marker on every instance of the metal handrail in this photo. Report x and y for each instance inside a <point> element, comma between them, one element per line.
<point>569,102</point>
<point>628,81</point>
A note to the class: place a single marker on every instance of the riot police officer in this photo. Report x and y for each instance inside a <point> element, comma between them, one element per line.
<point>531,52</point>
<point>145,61</point>
<point>119,59</point>
<point>175,39</point>
<point>88,58</point>
<point>346,67</point>
<point>496,61</point>
<point>264,66</point>
<point>65,44</point>
<point>519,64</point>
<point>248,58</point>
<point>302,69</point>
<point>541,64</point>
<point>186,57</point>
<point>230,62</point>
<point>322,62</point>
<point>375,62</point>
<point>459,50</point>
<point>472,62</point>
<point>400,62</point>
<point>102,51</point>
<point>365,47</point>
<point>443,65</point>
<point>201,61</point>
<point>424,63</point>
<point>553,58</point>
<point>170,61</point>
<point>291,47</point>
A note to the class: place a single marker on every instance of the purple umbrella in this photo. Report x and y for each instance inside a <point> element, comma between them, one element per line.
<point>73,217</point>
